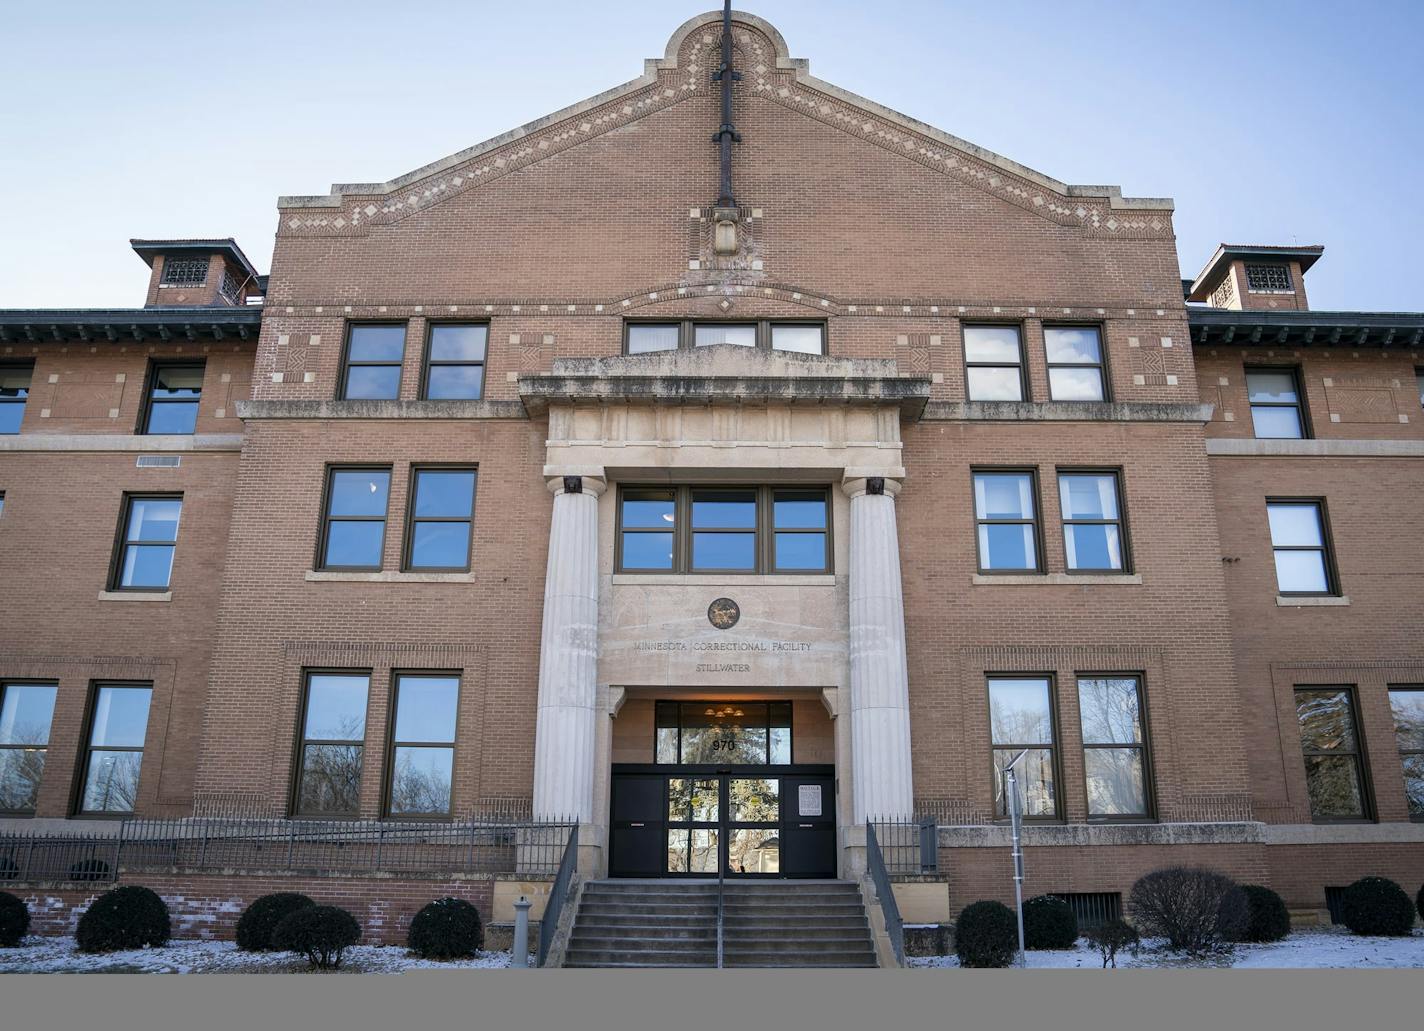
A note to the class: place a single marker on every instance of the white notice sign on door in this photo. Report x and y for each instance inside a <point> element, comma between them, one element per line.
<point>808,800</point>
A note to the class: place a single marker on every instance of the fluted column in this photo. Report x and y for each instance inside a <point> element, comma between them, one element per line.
<point>568,655</point>
<point>879,673</point>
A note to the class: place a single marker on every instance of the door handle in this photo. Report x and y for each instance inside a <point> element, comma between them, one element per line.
<point>806,826</point>
<point>637,825</point>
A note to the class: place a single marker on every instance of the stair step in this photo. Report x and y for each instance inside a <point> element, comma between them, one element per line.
<point>618,943</point>
<point>782,958</point>
<point>793,946</point>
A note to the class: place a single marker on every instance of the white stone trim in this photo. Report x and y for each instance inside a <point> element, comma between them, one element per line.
<point>1307,601</point>
<point>724,580</point>
<point>1249,447</point>
<point>1057,580</point>
<point>121,442</point>
<point>135,595</point>
<point>386,576</point>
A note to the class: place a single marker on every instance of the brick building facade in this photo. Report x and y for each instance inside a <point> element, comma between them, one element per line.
<point>982,483</point>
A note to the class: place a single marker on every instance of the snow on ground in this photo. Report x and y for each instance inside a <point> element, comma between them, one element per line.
<point>36,955</point>
<point>1312,948</point>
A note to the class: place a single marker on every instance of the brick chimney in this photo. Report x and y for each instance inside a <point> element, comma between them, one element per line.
<point>198,274</point>
<point>1253,277</point>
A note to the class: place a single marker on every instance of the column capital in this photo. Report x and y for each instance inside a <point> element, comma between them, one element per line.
<point>859,482</point>
<point>574,481</point>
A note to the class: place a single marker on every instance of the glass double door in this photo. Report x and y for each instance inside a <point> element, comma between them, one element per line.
<point>697,821</point>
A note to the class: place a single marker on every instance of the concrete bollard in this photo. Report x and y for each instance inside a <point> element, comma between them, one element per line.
<point>521,932</point>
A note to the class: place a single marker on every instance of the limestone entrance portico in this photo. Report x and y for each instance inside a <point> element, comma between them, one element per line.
<point>716,415</point>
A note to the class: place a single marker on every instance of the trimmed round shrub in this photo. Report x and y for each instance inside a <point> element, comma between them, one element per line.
<point>259,920</point>
<point>446,929</point>
<point>1267,919</point>
<point>1377,906</point>
<point>986,935</point>
<point>14,919</point>
<point>130,917</point>
<point>1196,910</point>
<point>89,870</point>
<point>320,933</point>
<point>1049,923</point>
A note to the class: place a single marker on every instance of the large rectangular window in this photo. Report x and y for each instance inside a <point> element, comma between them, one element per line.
<point>1407,706</point>
<point>1093,536</point>
<point>1276,407</point>
<point>148,537</point>
<point>442,507</point>
<point>372,370</point>
<point>171,405</point>
<point>113,758</point>
<point>353,532</point>
<point>455,362</point>
<point>1301,548</point>
<point>1006,515</point>
<point>26,711</point>
<point>1114,746</point>
<point>14,393</point>
<point>993,361</point>
<point>1330,741</point>
<point>743,334</point>
<point>1075,363</point>
<point>650,337</point>
<point>422,756</point>
<point>333,736</point>
<point>741,733</point>
<point>1021,720</point>
<point>724,529</point>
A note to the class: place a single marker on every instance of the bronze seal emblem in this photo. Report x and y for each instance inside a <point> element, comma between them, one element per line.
<point>723,613</point>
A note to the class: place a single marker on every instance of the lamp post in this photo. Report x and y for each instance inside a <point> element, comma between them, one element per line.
<point>1011,799</point>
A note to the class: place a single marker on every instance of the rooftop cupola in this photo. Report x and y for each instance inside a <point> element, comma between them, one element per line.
<point>199,274</point>
<point>1255,277</point>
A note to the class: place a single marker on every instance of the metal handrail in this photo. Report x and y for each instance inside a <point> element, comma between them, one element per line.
<point>875,862</point>
<point>558,895</point>
<point>721,888</point>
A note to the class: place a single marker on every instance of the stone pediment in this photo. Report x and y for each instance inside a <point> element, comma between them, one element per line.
<point>726,374</point>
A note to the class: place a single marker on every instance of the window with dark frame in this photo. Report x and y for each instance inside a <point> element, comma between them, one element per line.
<point>741,733</point>
<point>1273,279</point>
<point>148,538</point>
<point>1277,412</point>
<point>422,751</point>
<point>742,334</point>
<point>724,529</point>
<point>1330,743</point>
<point>773,334</point>
<point>1114,746</point>
<point>353,531</point>
<point>26,712</point>
<point>113,756</point>
<point>1406,705</point>
<point>185,271</point>
<point>332,744</point>
<point>374,355</point>
<point>1094,540</point>
<point>1021,720</point>
<point>1300,546</point>
<point>14,394</point>
<point>442,508</point>
<point>1006,516</point>
<point>455,361</point>
<point>171,404</point>
<point>993,363</point>
<point>1076,371</point>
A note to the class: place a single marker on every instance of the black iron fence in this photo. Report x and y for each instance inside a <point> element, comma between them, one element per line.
<point>558,895</point>
<point>910,846</point>
<point>530,848</point>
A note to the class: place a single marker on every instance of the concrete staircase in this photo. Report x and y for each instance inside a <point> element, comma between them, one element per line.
<point>667,923</point>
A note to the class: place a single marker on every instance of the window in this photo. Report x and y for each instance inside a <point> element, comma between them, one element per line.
<point>752,733</point>
<point>148,536</point>
<point>172,402</point>
<point>117,725</point>
<point>993,359</point>
<point>1114,746</point>
<point>353,532</point>
<point>1075,363</point>
<point>1276,409</point>
<point>25,714</point>
<point>373,362</point>
<point>185,271</point>
<point>1298,540</point>
<point>1093,537</point>
<point>2,502</point>
<point>442,504</point>
<point>724,529</point>
<point>1270,279</point>
<point>1407,706</point>
<point>14,392</point>
<point>328,781</point>
<point>1004,510</point>
<point>422,758</point>
<point>1330,741</point>
<point>455,362</point>
<point>1021,720</point>
<point>649,337</point>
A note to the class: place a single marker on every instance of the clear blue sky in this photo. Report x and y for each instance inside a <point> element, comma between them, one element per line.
<point>1266,122</point>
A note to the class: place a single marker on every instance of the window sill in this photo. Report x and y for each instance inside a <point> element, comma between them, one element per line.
<point>388,576</point>
<point>1057,579</point>
<point>724,579</point>
<point>135,595</point>
<point>1305,601</point>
